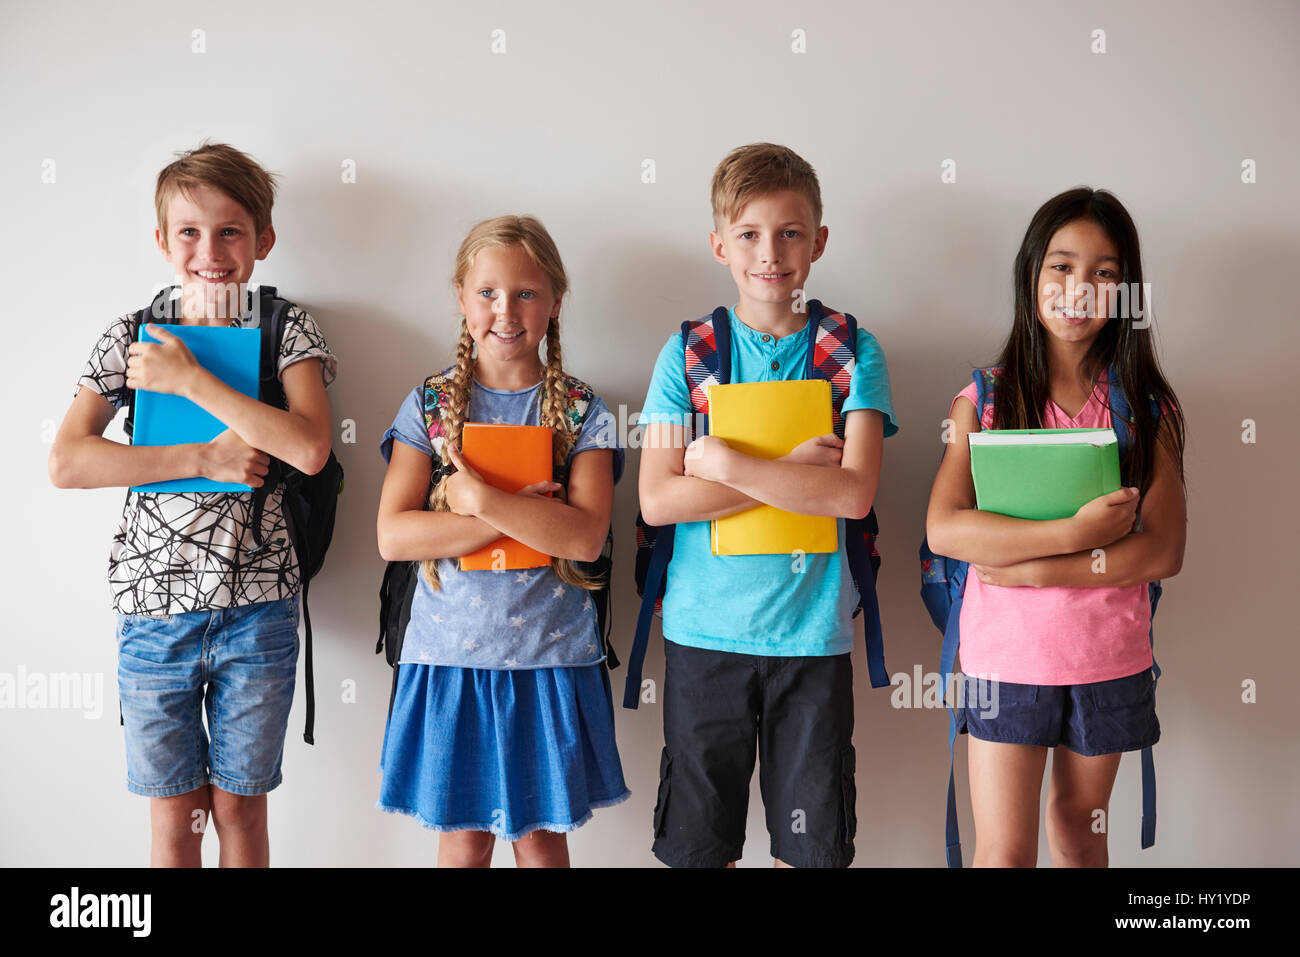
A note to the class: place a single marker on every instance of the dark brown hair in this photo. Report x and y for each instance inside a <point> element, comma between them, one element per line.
<point>1024,387</point>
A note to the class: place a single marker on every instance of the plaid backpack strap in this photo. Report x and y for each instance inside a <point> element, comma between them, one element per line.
<point>832,354</point>
<point>707,343</point>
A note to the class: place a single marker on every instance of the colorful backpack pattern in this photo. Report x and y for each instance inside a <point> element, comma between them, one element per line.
<point>437,397</point>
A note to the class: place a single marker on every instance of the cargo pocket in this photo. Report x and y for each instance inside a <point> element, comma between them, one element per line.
<point>661,803</point>
<point>848,796</point>
<point>1122,694</point>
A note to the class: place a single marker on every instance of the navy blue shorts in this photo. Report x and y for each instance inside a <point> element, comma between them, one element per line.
<point>1104,717</point>
<point>723,709</point>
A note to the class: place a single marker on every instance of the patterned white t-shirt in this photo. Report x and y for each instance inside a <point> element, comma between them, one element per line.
<point>176,552</point>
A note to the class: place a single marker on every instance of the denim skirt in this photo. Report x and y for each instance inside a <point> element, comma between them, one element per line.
<point>502,751</point>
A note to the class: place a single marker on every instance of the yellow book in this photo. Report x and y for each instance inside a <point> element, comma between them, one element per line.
<point>767,420</point>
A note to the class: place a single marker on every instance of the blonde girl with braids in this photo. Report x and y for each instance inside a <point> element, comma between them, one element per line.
<point>502,723</point>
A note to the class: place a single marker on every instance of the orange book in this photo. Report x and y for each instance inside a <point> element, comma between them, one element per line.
<point>508,457</point>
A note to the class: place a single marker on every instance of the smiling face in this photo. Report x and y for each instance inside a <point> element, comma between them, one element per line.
<point>212,246</point>
<point>508,303</point>
<point>770,248</point>
<point>1073,295</point>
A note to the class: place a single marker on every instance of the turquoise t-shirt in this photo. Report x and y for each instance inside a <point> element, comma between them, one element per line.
<point>761,604</point>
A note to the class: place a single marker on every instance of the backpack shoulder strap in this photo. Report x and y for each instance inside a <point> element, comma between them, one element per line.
<point>436,397</point>
<point>578,398</point>
<point>707,343</point>
<point>137,320</point>
<point>272,314</point>
<point>832,354</point>
<point>985,384</point>
<point>159,309</point>
<point>1121,413</point>
<point>1123,422</point>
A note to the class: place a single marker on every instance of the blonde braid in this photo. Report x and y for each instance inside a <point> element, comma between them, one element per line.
<point>453,421</point>
<point>554,415</point>
<point>555,397</point>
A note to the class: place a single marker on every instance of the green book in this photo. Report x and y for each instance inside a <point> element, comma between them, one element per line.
<point>1042,473</point>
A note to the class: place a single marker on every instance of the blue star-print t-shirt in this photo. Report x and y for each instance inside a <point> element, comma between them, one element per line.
<point>502,620</point>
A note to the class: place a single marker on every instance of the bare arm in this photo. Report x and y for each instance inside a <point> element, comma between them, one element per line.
<point>668,495</point>
<point>954,527</point>
<point>299,436</point>
<point>407,532</point>
<point>82,458</point>
<point>1154,553</point>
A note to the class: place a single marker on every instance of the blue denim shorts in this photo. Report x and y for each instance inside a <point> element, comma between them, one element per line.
<point>1105,717</point>
<point>240,663</point>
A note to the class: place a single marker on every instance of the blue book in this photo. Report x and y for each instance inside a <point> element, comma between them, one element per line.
<point>231,354</point>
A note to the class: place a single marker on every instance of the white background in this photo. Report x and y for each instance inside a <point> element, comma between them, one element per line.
<point>445,133</point>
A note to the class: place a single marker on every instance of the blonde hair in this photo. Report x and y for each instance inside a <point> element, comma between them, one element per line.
<point>758,169</point>
<point>526,233</point>
<point>222,167</point>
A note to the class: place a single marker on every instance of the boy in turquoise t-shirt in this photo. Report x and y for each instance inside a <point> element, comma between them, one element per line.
<point>758,646</point>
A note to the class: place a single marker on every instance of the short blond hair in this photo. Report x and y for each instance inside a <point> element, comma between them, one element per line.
<point>222,167</point>
<point>759,169</point>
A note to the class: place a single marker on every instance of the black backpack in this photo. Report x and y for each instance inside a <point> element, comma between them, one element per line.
<point>397,590</point>
<point>310,501</point>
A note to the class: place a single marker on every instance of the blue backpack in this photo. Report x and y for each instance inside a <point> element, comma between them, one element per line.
<point>832,337</point>
<point>943,583</point>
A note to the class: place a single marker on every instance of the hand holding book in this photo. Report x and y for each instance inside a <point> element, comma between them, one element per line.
<point>1099,522</point>
<point>1107,518</point>
<point>167,365</point>
<point>228,458</point>
<point>465,486</point>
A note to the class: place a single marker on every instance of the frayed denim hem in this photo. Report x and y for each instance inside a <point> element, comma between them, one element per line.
<point>555,827</point>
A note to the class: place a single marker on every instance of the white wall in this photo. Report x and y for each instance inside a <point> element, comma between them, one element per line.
<point>444,133</point>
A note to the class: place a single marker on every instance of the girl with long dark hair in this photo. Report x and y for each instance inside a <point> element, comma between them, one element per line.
<point>1057,614</point>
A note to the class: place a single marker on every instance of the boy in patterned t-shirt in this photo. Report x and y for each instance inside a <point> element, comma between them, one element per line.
<point>206,617</point>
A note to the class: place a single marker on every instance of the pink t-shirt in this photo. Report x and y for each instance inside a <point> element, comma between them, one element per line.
<point>1054,636</point>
